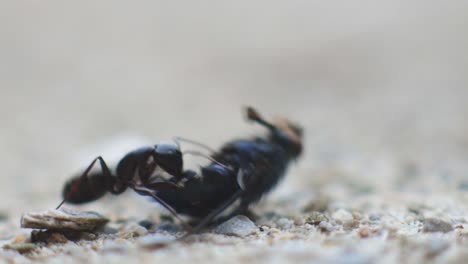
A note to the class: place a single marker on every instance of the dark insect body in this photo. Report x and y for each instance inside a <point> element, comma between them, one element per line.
<point>242,170</point>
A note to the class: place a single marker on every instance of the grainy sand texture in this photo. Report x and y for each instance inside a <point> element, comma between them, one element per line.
<point>379,87</point>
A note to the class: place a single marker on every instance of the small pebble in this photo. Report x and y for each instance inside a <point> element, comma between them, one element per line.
<point>357,216</point>
<point>155,241</point>
<point>240,226</point>
<point>63,219</point>
<point>351,225</point>
<point>316,218</point>
<point>347,219</point>
<point>273,230</point>
<point>436,225</point>
<point>20,247</point>
<point>374,217</point>
<point>146,224</point>
<point>21,238</point>
<point>88,236</point>
<point>132,230</point>
<point>169,227</point>
<point>436,247</point>
<point>365,231</point>
<point>115,246</point>
<point>285,223</point>
<point>342,216</point>
<point>326,227</point>
<point>109,230</point>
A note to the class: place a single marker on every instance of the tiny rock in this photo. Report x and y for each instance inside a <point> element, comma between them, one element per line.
<point>155,241</point>
<point>365,231</point>
<point>132,230</point>
<point>146,224</point>
<point>316,218</point>
<point>285,223</point>
<point>20,247</point>
<point>326,227</point>
<point>342,216</point>
<point>63,219</point>
<point>169,227</point>
<point>374,217</point>
<point>436,225</point>
<point>115,246</point>
<point>240,226</point>
<point>21,238</point>
<point>436,247</point>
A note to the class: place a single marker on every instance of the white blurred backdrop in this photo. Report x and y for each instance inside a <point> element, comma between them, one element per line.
<point>377,85</point>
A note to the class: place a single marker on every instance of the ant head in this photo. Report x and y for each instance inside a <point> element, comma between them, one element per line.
<point>282,130</point>
<point>167,148</point>
<point>169,157</point>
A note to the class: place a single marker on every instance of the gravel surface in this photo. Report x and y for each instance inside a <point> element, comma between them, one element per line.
<point>380,89</point>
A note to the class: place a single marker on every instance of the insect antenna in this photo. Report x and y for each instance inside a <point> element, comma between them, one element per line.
<point>177,140</point>
<point>149,192</point>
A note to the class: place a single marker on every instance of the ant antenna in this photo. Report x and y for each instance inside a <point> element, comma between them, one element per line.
<point>197,153</point>
<point>177,140</point>
<point>253,115</point>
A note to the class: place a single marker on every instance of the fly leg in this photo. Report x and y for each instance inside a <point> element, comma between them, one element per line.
<point>152,193</point>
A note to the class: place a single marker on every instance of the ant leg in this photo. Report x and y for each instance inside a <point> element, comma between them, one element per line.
<point>145,191</point>
<point>105,170</point>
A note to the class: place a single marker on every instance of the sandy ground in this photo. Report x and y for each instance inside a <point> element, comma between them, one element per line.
<point>380,89</point>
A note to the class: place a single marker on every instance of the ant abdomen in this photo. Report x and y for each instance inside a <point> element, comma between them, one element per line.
<point>80,190</point>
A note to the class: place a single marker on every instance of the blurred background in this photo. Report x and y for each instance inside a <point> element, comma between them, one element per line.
<point>379,87</point>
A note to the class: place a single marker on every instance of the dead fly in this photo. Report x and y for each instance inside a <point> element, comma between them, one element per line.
<point>242,170</point>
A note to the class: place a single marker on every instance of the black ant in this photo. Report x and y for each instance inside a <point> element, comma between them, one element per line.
<point>242,170</point>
